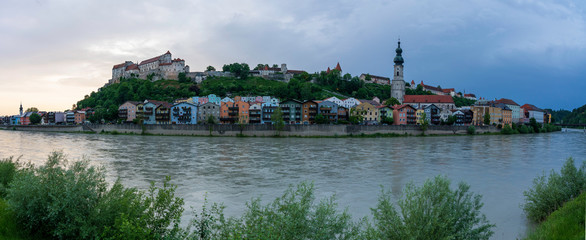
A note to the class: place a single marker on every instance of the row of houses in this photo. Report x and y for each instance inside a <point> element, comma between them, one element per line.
<point>47,118</point>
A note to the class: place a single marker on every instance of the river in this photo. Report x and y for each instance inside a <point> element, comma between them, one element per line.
<point>234,170</point>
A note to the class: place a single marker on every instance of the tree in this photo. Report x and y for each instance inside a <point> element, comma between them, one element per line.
<point>533,123</point>
<point>451,120</point>
<point>432,211</point>
<point>424,124</point>
<point>240,70</point>
<point>182,78</point>
<point>277,120</point>
<point>210,69</point>
<point>392,102</point>
<point>355,117</point>
<point>486,119</point>
<point>387,120</point>
<point>35,118</point>
<point>320,119</point>
<point>32,109</point>
<point>211,121</point>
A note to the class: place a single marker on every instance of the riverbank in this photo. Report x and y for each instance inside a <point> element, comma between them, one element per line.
<point>260,130</point>
<point>565,223</point>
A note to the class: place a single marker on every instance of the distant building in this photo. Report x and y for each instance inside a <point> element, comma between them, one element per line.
<point>206,110</point>
<point>398,83</point>
<point>79,117</point>
<point>515,108</point>
<point>367,78</point>
<point>309,111</point>
<point>159,67</point>
<point>368,109</point>
<point>420,101</point>
<point>531,111</point>
<point>127,111</point>
<point>404,115</point>
<point>276,73</point>
<point>184,113</point>
<point>291,111</point>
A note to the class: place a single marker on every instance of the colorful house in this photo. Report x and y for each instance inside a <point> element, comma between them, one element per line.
<point>404,114</point>
<point>254,112</point>
<point>515,108</point>
<point>127,111</point>
<point>206,110</point>
<point>443,102</point>
<point>291,111</point>
<point>267,110</point>
<point>329,110</point>
<point>184,113</point>
<point>432,114</point>
<point>385,111</point>
<point>531,111</point>
<point>163,113</point>
<point>309,111</point>
<point>79,117</point>
<point>228,113</point>
<point>146,111</point>
<point>213,98</point>
<point>243,114</point>
<point>369,111</point>
<point>419,116</point>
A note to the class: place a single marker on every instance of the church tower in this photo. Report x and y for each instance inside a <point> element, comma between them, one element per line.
<point>398,83</point>
<point>20,109</point>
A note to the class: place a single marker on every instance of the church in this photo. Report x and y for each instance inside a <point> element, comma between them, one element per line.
<point>398,83</point>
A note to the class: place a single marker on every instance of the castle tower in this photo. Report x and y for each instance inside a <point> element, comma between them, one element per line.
<point>20,109</point>
<point>398,83</point>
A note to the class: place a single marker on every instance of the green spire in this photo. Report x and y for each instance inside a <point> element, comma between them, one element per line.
<point>398,58</point>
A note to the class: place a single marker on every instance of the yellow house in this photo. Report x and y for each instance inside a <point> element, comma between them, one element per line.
<point>368,110</point>
<point>419,116</point>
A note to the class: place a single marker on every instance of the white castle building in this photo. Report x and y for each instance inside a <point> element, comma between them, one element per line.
<point>160,67</point>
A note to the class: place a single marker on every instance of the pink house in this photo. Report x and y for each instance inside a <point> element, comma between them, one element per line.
<point>404,115</point>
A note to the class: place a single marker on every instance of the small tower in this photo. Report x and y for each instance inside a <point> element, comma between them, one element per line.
<point>398,83</point>
<point>20,109</point>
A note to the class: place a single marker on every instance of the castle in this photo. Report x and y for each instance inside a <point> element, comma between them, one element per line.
<point>160,67</point>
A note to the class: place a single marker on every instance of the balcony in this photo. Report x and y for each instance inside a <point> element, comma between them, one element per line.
<point>233,108</point>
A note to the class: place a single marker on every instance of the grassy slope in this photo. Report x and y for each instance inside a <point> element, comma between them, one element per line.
<point>565,223</point>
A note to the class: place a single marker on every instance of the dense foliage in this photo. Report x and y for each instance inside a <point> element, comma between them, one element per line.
<point>106,101</point>
<point>460,101</point>
<point>417,91</point>
<point>432,211</point>
<point>71,201</point>
<point>576,116</point>
<point>549,193</point>
<point>568,222</point>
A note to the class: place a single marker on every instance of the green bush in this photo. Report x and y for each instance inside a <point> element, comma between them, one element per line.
<point>507,130</point>
<point>550,193</point>
<point>432,211</point>
<point>471,130</point>
<point>8,168</point>
<point>71,201</point>
<point>294,215</point>
<point>523,129</point>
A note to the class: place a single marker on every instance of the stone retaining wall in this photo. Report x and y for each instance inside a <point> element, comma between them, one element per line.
<point>258,130</point>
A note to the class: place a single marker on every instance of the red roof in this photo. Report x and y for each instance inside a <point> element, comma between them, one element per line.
<point>469,95</point>
<point>118,65</point>
<point>328,71</point>
<point>530,107</point>
<point>448,90</point>
<point>397,107</point>
<point>132,67</point>
<point>150,60</point>
<point>412,83</point>
<point>507,101</point>
<point>428,99</point>
<point>164,64</point>
<point>266,67</point>
<point>338,67</point>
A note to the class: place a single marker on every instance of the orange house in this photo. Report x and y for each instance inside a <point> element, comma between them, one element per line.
<point>243,112</point>
<point>404,115</point>
<point>234,112</point>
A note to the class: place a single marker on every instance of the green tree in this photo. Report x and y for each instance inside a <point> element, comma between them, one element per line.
<point>321,119</point>
<point>35,118</point>
<point>210,69</point>
<point>451,120</point>
<point>533,123</point>
<point>486,119</point>
<point>182,78</point>
<point>32,109</point>
<point>424,124</point>
<point>392,102</point>
<point>277,120</point>
<point>387,120</point>
<point>240,70</point>
<point>355,117</point>
<point>432,211</point>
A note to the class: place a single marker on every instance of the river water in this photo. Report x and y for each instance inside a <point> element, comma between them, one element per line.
<point>234,170</point>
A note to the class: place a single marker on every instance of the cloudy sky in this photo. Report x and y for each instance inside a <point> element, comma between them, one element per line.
<point>55,52</point>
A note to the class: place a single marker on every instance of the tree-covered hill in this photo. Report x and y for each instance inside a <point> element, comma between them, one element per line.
<point>576,116</point>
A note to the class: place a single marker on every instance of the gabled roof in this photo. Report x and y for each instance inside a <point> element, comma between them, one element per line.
<point>506,101</point>
<point>338,67</point>
<point>397,107</point>
<point>383,106</point>
<point>118,65</point>
<point>132,67</point>
<point>157,103</point>
<point>448,90</point>
<point>371,102</point>
<point>428,99</point>
<point>154,59</point>
<point>530,107</point>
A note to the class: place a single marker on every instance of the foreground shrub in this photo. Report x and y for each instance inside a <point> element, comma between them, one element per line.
<point>432,211</point>
<point>294,215</point>
<point>568,222</point>
<point>71,201</point>
<point>549,193</point>
<point>7,170</point>
<point>507,130</point>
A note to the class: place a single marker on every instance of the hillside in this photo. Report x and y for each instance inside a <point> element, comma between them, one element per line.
<point>576,116</point>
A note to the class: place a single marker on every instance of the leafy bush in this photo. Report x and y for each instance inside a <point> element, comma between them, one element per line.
<point>471,130</point>
<point>291,216</point>
<point>8,168</point>
<point>432,211</point>
<point>523,129</point>
<point>549,193</point>
<point>507,130</point>
<point>71,201</point>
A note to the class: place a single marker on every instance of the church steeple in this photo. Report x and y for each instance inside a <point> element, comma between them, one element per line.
<point>398,58</point>
<point>20,108</point>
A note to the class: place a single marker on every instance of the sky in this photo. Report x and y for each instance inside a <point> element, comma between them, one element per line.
<point>54,52</point>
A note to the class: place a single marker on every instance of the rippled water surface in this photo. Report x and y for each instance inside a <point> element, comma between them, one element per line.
<point>234,170</point>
